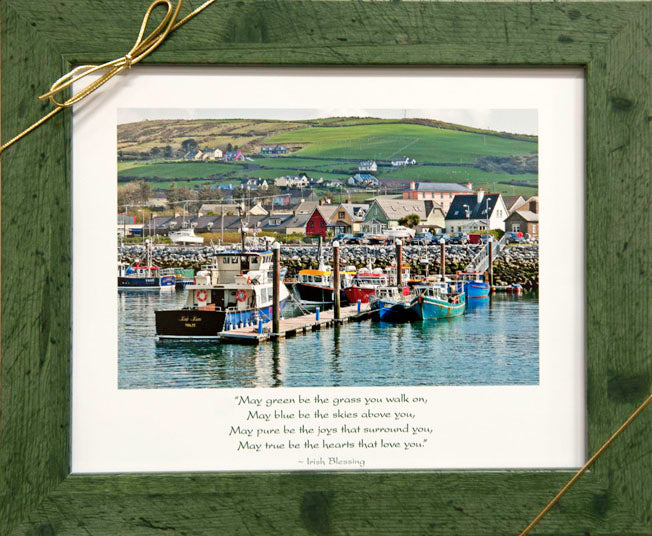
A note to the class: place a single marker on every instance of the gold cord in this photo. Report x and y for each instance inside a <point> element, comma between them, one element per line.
<point>143,47</point>
<point>588,464</point>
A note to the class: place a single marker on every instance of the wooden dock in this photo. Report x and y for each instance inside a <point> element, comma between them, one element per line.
<point>290,327</point>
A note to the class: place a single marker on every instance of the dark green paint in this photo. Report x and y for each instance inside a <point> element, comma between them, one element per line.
<point>40,40</point>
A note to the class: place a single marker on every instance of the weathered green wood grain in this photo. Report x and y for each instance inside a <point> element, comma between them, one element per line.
<point>41,38</point>
<point>34,367</point>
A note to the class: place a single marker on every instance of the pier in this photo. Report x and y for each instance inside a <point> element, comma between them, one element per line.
<point>290,327</point>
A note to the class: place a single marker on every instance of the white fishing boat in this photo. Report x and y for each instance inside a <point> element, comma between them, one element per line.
<point>185,236</point>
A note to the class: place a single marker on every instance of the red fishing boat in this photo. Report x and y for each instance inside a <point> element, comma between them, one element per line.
<point>364,284</point>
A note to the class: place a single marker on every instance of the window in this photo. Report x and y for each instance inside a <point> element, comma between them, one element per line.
<point>516,227</point>
<point>340,215</point>
<point>534,229</point>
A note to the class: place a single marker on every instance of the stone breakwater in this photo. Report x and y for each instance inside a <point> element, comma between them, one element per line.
<point>517,264</point>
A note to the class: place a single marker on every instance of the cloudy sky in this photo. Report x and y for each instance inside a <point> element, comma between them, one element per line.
<point>519,121</point>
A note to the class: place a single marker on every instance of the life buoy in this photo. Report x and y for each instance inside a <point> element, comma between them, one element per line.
<point>202,295</point>
<point>241,295</point>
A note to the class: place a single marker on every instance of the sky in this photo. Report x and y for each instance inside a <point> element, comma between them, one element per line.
<point>516,121</point>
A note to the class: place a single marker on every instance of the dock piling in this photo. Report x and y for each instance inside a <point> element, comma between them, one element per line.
<point>399,263</point>
<point>442,244</point>
<point>359,305</point>
<point>276,289</point>
<point>336,280</point>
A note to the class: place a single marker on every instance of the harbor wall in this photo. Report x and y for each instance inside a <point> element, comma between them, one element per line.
<point>517,264</point>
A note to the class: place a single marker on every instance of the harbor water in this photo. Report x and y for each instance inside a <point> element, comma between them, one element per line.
<point>495,343</point>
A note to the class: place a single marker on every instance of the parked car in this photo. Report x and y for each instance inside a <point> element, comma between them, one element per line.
<point>478,238</point>
<point>515,237</point>
<point>360,238</point>
<point>459,238</point>
<point>343,238</point>
<point>443,236</point>
<point>422,239</point>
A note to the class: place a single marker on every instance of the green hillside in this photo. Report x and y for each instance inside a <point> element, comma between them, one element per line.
<point>331,148</point>
<point>387,141</point>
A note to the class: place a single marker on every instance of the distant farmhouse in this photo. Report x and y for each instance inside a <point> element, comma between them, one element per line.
<point>233,156</point>
<point>363,180</point>
<point>441,192</point>
<point>193,155</point>
<point>212,154</point>
<point>273,150</point>
<point>254,184</point>
<point>300,181</point>
<point>368,165</point>
<point>476,212</point>
<point>403,162</point>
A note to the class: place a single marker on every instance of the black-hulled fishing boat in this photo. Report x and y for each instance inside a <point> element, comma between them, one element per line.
<point>237,290</point>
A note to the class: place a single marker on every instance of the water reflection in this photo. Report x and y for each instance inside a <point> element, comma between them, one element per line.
<point>494,343</point>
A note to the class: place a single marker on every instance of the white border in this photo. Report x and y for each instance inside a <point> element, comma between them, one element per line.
<point>476,427</point>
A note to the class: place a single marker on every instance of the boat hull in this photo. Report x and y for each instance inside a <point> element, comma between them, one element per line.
<point>206,324</point>
<point>165,282</point>
<point>428,308</point>
<point>353,294</point>
<point>396,312</point>
<point>316,294</point>
<point>476,289</point>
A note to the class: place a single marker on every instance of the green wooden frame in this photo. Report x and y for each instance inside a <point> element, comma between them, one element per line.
<point>41,39</point>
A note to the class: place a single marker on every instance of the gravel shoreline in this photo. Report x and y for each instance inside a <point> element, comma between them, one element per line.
<point>517,264</point>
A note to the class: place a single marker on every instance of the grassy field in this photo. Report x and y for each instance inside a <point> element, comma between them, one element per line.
<point>387,141</point>
<point>330,148</point>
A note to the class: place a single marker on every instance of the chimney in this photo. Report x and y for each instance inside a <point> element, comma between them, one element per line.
<point>469,185</point>
<point>413,185</point>
<point>480,195</point>
<point>348,200</point>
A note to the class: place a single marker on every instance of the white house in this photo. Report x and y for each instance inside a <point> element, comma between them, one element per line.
<point>403,161</point>
<point>476,212</point>
<point>368,165</point>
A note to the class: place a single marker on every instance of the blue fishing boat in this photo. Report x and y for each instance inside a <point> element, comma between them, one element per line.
<point>475,285</point>
<point>148,277</point>
<point>444,299</point>
<point>393,305</point>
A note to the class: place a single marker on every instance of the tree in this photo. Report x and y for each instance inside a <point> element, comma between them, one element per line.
<point>143,192</point>
<point>189,145</point>
<point>155,152</point>
<point>167,152</point>
<point>411,220</point>
<point>229,148</point>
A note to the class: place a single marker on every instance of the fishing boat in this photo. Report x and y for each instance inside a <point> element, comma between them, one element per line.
<point>235,291</point>
<point>314,287</point>
<point>185,236</point>
<point>443,299</point>
<point>364,284</point>
<point>475,285</point>
<point>147,277</point>
<point>391,304</point>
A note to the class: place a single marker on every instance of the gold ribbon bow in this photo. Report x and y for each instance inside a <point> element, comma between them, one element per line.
<point>143,47</point>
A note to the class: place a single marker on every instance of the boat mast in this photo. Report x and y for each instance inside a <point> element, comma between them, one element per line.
<point>148,249</point>
<point>242,229</point>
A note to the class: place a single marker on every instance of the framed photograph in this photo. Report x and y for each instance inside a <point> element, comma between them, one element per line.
<point>127,409</point>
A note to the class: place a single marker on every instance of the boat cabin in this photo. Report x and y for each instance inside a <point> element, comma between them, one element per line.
<point>232,267</point>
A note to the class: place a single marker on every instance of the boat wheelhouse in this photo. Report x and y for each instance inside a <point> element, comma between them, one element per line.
<point>314,287</point>
<point>475,285</point>
<point>148,277</point>
<point>391,304</point>
<point>443,299</point>
<point>235,291</point>
<point>364,284</point>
